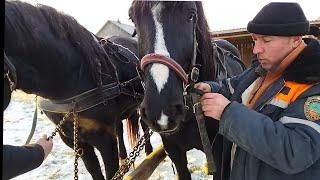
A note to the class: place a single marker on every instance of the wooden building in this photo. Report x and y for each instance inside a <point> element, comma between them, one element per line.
<point>115,28</point>
<point>241,38</point>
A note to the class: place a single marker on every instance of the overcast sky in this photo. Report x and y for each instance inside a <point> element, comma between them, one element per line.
<point>221,14</point>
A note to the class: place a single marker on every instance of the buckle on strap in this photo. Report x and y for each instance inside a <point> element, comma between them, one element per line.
<point>194,75</point>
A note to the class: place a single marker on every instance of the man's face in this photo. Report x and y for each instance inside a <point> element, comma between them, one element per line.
<point>271,50</point>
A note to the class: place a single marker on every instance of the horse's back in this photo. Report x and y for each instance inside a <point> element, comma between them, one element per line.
<point>128,42</point>
<point>234,65</point>
<point>229,59</point>
<point>226,45</point>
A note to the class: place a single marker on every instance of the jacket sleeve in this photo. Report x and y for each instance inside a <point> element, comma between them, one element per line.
<point>21,159</point>
<point>227,86</point>
<point>291,144</point>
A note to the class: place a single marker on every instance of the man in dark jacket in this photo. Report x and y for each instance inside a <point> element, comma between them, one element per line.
<point>21,159</point>
<point>269,116</point>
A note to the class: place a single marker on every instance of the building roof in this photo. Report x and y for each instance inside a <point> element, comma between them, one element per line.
<point>243,33</point>
<point>127,28</point>
<point>240,32</point>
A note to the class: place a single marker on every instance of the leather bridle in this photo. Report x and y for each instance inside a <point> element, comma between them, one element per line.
<point>187,78</point>
<point>190,94</point>
<point>167,61</point>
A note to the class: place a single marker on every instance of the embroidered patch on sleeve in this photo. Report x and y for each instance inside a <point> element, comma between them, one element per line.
<point>312,108</point>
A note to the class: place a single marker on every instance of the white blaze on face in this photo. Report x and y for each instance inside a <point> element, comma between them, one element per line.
<point>159,72</point>
<point>163,121</point>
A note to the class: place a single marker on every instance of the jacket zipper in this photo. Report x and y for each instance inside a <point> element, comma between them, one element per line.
<point>267,102</point>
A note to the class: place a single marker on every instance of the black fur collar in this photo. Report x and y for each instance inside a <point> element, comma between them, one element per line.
<point>306,68</point>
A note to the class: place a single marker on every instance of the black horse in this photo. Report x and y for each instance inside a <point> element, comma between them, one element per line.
<point>173,36</point>
<point>49,54</point>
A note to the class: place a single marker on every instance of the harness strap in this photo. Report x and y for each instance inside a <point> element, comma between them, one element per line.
<point>108,58</point>
<point>195,46</point>
<point>221,69</point>
<point>84,100</point>
<point>120,49</point>
<point>89,99</point>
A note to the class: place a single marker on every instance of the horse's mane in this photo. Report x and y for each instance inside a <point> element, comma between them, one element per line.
<point>137,7</point>
<point>23,19</point>
<point>205,46</point>
<point>205,57</point>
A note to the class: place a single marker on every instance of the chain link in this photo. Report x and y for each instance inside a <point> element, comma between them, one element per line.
<point>78,152</point>
<point>132,156</point>
<point>58,128</point>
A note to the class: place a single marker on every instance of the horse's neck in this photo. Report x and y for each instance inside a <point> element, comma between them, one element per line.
<point>125,61</point>
<point>205,74</point>
<point>49,81</point>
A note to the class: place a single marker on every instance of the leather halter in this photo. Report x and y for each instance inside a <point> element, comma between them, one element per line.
<point>167,61</point>
<point>11,70</point>
<point>173,65</point>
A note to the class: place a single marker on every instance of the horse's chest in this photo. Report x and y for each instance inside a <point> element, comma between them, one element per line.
<point>88,127</point>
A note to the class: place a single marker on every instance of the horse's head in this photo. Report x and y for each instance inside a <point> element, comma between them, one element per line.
<point>168,35</point>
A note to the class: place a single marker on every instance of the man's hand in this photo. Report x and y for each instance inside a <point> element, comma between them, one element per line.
<point>203,86</point>
<point>213,105</point>
<point>46,144</point>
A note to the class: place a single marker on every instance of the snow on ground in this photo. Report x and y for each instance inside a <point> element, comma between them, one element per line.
<point>59,164</point>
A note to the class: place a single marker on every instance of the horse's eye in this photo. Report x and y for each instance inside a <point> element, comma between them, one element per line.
<point>191,16</point>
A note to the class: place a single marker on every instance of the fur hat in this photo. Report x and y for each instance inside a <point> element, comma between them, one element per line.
<point>280,19</point>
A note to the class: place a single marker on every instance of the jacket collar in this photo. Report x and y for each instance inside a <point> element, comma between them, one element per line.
<point>269,93</point>
<point>305,69</point>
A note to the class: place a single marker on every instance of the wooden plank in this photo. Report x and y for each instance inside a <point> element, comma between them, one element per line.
<point>148,165</point>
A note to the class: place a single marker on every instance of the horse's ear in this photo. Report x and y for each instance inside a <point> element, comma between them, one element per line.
<point>134,33</point>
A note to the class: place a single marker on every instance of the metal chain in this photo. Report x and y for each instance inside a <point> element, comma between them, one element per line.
<point>58,128</point>
<point>132,156</point>
<point>77,151</point>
